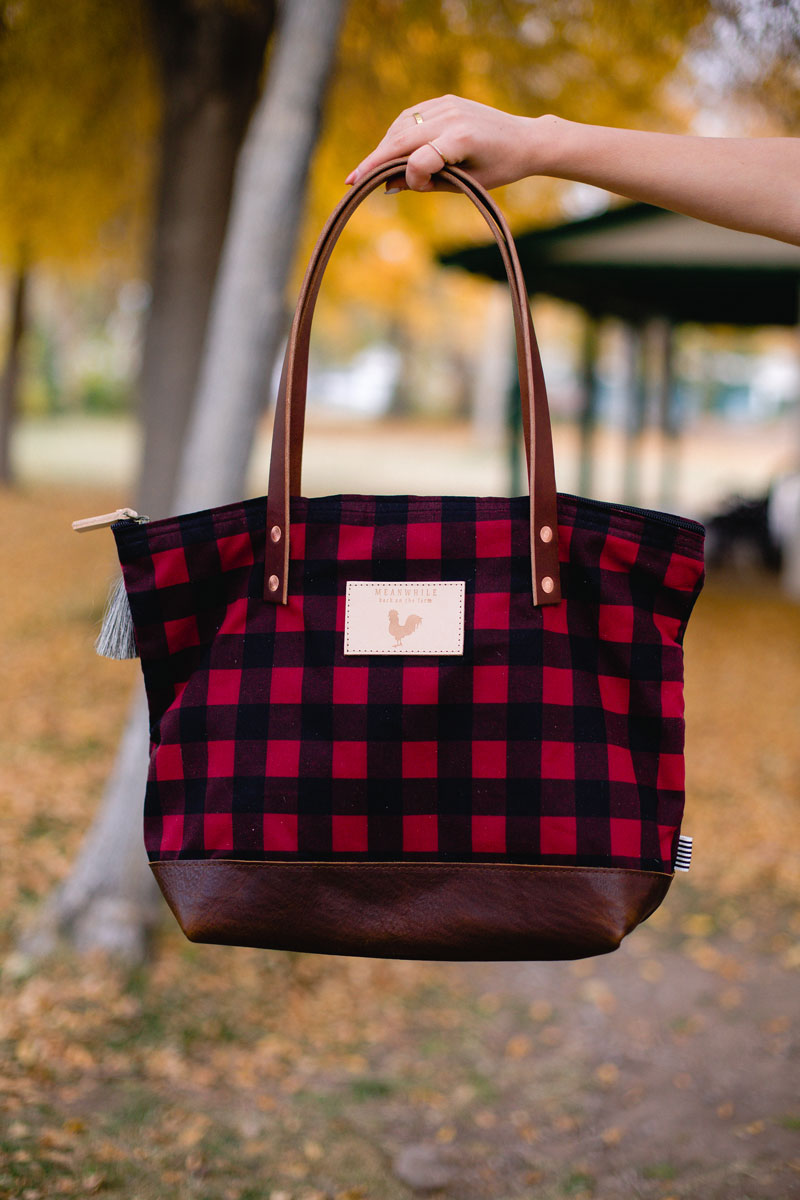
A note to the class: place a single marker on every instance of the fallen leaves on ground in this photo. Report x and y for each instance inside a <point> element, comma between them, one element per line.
<point>228,1074</point>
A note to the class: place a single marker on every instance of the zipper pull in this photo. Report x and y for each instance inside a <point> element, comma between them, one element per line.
<point>105,519</point>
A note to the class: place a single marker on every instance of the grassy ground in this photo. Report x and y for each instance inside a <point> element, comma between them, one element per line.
<point>665,1070</point>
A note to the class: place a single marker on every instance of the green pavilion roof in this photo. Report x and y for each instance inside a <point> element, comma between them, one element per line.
<point>638,261</point>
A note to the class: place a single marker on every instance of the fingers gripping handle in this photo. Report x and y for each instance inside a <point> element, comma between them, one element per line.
<point>287,440</point>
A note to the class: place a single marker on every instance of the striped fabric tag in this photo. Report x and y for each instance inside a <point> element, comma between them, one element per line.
<point>683,859</point>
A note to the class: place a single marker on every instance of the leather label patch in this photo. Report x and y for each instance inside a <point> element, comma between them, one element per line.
<point>404,618</point>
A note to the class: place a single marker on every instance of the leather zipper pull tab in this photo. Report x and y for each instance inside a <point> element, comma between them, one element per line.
<point>105,519</point>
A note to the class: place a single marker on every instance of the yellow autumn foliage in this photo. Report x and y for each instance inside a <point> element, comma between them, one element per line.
<point>79,114</point>
<point>589,60</point>
<point>79,108</point>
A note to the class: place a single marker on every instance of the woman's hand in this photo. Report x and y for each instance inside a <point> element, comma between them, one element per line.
<point>494,146</point>
<point>750,184</point>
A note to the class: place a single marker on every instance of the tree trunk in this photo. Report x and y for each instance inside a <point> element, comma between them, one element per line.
<point>211,57</point>
<point>109,900</point>
<point>247,315</point>
<point>9,384</point>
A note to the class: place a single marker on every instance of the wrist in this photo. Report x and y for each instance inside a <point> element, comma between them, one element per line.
<point>554,147</point>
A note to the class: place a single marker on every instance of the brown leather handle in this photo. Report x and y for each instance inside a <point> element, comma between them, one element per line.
<point>325,247</point>
<point>310,289</point>
<point>287,438</point>
<point>307,301</point>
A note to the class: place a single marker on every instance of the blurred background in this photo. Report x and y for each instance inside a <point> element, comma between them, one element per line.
<point>166,167</point>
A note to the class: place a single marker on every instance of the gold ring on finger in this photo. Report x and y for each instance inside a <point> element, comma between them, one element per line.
<point>417,117</point>
<point>446,161</point>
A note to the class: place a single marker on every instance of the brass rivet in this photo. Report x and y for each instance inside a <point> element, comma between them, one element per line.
<point>275,533</point>
<point>274,583</point>
<point>547,584</point>
<point>546,533</point>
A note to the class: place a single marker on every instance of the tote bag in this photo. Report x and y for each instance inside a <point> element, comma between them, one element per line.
<point>439,727</point>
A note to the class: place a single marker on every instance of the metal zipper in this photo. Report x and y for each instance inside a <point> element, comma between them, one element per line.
<point>130,514</point>
<point>105,519</point>
<point>650,513</point>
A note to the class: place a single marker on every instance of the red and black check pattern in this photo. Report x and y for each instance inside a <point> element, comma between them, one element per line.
<point>557,737</point>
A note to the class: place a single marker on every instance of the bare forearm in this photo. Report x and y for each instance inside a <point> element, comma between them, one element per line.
<point>751,184</point>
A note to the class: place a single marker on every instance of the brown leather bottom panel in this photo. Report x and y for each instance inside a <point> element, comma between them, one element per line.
<point>490,912</point>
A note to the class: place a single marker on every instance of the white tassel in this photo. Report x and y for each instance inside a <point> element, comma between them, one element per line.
<point>116,638</point>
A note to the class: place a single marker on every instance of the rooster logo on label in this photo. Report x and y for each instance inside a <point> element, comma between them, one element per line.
<point>398,631</point>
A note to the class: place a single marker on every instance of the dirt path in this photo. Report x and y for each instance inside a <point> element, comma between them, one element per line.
<point>665,1071</point>
<point>675,1055</point>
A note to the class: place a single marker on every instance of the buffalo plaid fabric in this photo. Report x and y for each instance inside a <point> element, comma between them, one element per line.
<point>556,738</point>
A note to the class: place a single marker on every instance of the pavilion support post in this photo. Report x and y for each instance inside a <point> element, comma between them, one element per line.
<point>517,480</point>
<point>790,574</point>
<point>636,402</point>
<point>668,416</point>
<point>589,397</point>
<point>494,365</point>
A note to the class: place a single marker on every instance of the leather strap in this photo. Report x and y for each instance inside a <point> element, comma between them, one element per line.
<point>287,438</point>
<point>325,247</point>
<point>308,297</point>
